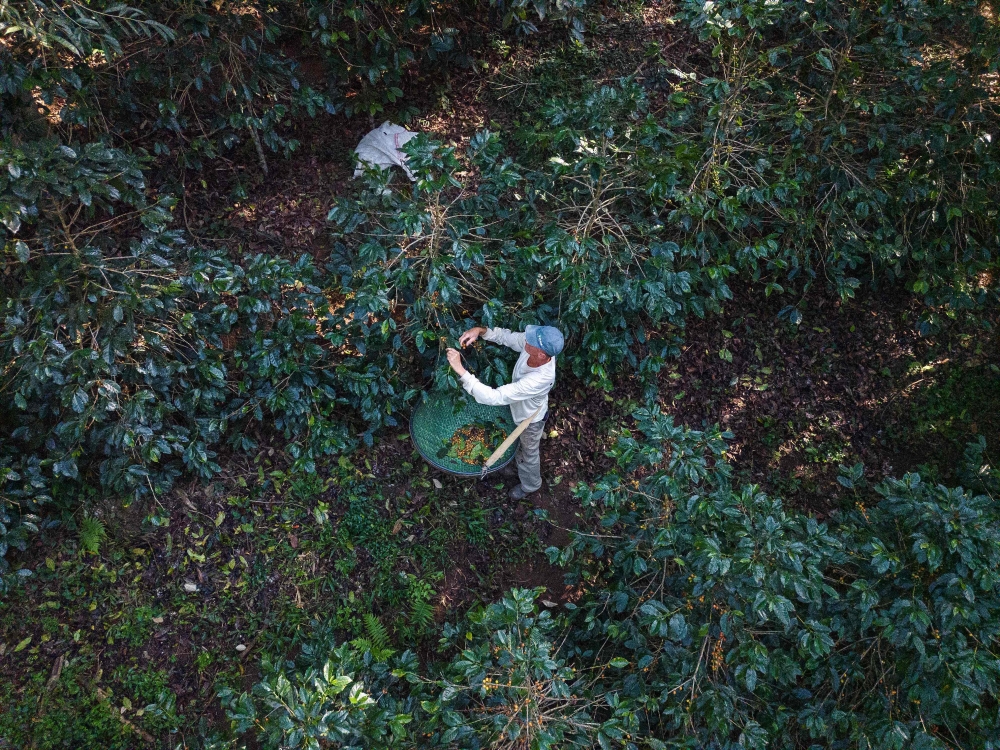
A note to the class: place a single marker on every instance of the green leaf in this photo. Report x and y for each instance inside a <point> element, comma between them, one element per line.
<point>80,400</point>
<point>338,684</point>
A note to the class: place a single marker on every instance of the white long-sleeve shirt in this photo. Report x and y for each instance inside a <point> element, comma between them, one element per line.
<point>529,387</point>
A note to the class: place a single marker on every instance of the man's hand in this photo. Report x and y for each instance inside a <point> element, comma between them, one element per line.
<point>455,360</point>
<point>470,336</point>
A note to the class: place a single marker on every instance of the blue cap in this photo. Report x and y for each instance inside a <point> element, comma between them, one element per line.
<point>548,339</point>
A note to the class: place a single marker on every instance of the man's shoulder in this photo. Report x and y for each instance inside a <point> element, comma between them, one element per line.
<point>543,372</point>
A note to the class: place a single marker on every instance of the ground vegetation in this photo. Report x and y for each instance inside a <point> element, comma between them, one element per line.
<point>769,232</point>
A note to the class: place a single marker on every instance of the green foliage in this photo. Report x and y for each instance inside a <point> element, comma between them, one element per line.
<point>842,140</point>
<point>376,631</point>
<point>134,358</point>
<point>421,609</point>
<point>576,241</point>
<point>617,223</point>
<point>328,699</point>
<point>199,79</point>
<point>129,357</point>
<point>377,642</point>
<point>368,48</point>
<point>712,616</point>
<point>946,410</point>
<point>78,28</point>
<point>830,142</point>
<point>133,594</point>
<point>195,79</point>
<point>68,712</point>
<point>511,685</point>
<point>505,688</point>
<point>92,533</point>
<point>742,617</point>
<point>22,499</point>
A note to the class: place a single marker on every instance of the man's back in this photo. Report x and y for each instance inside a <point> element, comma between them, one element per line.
<point>529,386</point>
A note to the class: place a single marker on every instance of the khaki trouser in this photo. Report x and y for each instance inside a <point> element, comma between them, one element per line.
<point>528,458</point>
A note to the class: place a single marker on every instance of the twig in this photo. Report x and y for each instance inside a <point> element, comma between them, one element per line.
<point>260,150</point>
<point>146,736</point>
<point>56,671</point>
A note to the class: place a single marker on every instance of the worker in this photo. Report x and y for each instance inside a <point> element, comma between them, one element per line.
<point>528,392</point>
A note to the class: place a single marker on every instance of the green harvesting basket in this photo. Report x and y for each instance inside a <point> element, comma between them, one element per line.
<point>435,420</point>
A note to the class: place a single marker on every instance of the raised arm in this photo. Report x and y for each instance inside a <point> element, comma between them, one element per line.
<point>533,384</point>
<point>506,338</point>
<point>497,335</point>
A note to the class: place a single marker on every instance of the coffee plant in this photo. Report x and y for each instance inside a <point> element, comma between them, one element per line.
<point>712,616</point>
<point>129,356</point>
<point>838,142</point>
<point>505,688</point>
<point>745,624</point>
<point>828,140</point>
<point>842,144</point>
<point>805,158</point>
<point>193,80</point>
<point>367,48</point>
<point>577,240</point>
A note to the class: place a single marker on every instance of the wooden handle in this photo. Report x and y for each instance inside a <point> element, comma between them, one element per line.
<point>510,440</point>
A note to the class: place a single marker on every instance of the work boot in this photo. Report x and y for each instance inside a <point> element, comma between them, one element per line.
<point>519,493</point>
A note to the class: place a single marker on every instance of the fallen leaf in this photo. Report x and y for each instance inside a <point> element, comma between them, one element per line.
<point>397,526</point>
<point>293,540</point>
<point>437,484</point>
<point>549,604</point>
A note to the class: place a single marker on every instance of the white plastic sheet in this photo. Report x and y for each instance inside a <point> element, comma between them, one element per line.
<point>381,148</point>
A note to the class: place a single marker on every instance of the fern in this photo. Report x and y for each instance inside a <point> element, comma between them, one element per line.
<point>376,631</point>
<point>421,610</point>
<point>421,613</point>
<point>363,644</point>
<point>377,641</point>
<point>92,533</point>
